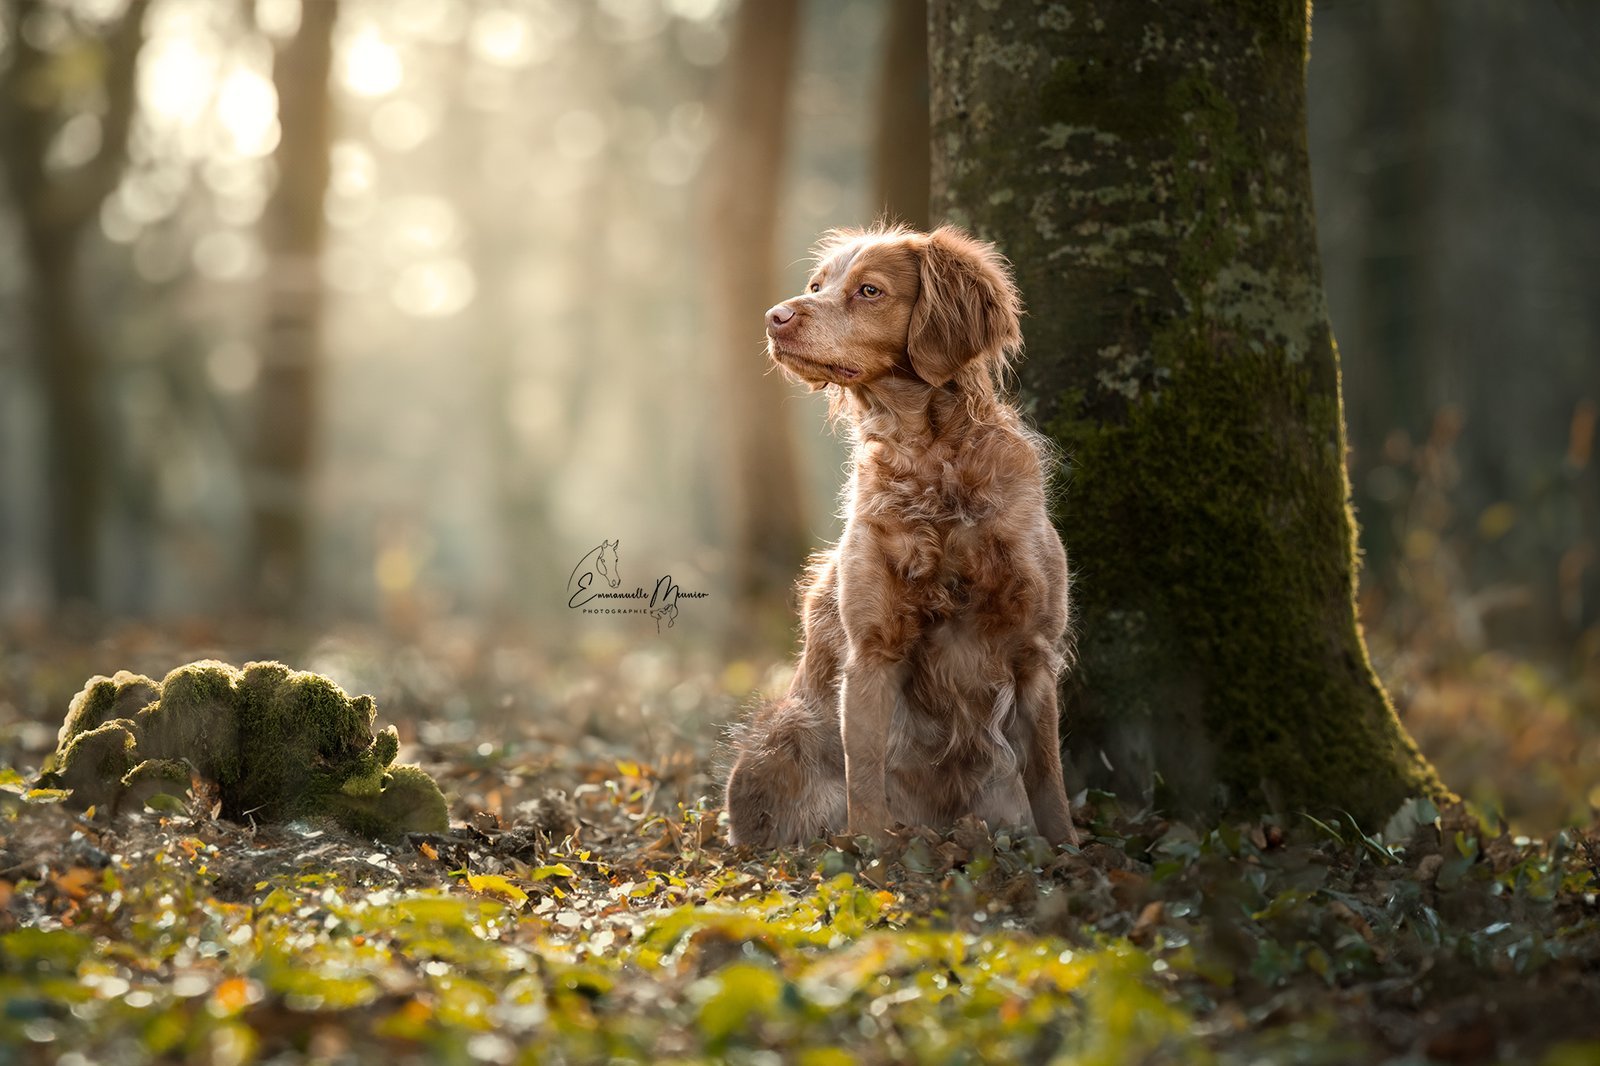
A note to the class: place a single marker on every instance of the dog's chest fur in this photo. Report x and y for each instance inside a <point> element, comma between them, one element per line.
<point>940,517</point>
<point>936,519</point>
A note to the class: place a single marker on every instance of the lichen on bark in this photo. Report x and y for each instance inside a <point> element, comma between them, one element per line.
<point>1178,351</point>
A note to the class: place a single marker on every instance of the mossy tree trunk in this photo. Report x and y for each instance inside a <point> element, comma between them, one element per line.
<point>291,366</point>
<point>1144,166</point>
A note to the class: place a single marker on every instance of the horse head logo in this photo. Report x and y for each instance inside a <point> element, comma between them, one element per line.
<point>601,561</point>
<point>605,562</point>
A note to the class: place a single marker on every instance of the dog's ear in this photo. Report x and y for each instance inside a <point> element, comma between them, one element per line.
<point>968,306</point>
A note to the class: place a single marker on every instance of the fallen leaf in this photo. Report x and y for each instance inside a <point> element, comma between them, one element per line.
<point>495,885</point>
<point>75,882</point>
<point>1144,926</point>
<point>558,869</point>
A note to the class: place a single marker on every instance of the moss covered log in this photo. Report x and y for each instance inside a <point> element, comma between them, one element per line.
<point>278,744</point>
<point>1144,165</point>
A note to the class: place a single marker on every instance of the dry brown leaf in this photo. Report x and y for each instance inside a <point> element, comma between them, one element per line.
<point>74,883</point>
<point>1144,926</point>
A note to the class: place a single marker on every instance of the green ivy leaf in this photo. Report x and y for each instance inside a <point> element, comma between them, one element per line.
<point>737,998</point>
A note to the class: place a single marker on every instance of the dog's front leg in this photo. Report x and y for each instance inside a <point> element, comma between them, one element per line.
<point>867,707</point>
<point>1047,790</point>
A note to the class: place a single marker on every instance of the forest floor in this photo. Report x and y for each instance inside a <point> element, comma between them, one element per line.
<point>584,905</point>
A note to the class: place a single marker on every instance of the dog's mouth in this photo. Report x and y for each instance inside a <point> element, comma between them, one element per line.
<point>813,369</point>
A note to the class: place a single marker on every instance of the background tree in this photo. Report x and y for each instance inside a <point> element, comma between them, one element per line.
<point>1455,195</point>
<point>287,394</point>
<point>900,163</point>
<point>62,158</point>
<point>1145,167</point>
<point>767,539</point>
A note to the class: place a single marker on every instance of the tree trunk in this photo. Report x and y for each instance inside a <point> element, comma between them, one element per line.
<point>901,167</point>
<point>767,542</point>
<point>1395,322</point>
<point>1144,165</point>
<point>70,372</point>
<point>55,207</point>
<point>286,394</point>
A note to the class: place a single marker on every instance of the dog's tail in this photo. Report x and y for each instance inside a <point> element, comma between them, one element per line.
<point>784,783</point>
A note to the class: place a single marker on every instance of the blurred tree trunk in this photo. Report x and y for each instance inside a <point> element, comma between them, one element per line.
<point>767,541</point>
<point>1456,194</point>
<point>1144,164</point>
<point>1402,62</point>
<point>292,355</point>
<point>901,164</point>
<point>1517,259</point>
<point>39,91</point>
<point>1396,322</point>
<point>71,371</point>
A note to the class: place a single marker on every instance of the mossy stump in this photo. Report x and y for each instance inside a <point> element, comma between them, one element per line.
<point>277,744</point>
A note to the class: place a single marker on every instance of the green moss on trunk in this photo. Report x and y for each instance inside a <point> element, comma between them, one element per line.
<point>1144,165</point>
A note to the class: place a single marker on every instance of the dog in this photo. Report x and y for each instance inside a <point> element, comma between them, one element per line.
<point>935,631</point>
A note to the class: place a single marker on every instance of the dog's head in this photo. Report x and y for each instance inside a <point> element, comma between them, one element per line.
<point>937,305</point>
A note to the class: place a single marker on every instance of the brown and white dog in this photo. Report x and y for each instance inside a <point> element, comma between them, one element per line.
<point>934,631</point>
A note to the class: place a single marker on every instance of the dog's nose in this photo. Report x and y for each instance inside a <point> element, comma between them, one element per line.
<point>779,316</point>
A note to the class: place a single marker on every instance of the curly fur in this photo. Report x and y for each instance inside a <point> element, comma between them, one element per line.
<point>935,630</point>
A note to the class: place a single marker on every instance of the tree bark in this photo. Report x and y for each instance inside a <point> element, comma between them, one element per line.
<point>1144,165</point>
<point>901,165</point>
<point>767,541</point>
<point>55,208</point>
<point>287,391</point>
<point>70,369</point>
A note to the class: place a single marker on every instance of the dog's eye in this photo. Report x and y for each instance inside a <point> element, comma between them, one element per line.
<point>870,291</point>
<point>815,287</point>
